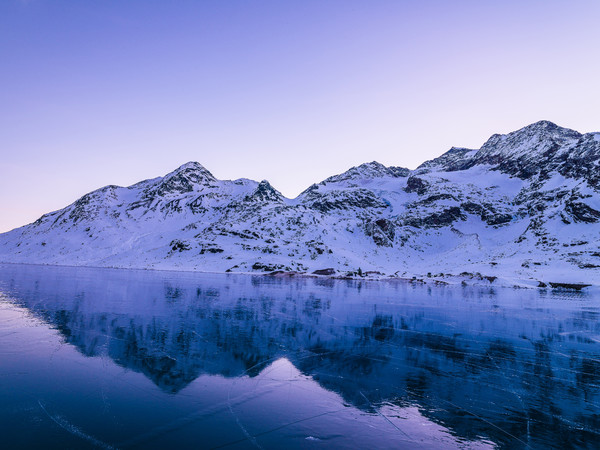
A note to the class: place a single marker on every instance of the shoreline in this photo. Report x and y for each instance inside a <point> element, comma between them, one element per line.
<point>463,279</point>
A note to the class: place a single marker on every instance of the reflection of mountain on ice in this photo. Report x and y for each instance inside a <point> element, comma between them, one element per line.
<point>398,426</point>
<point>286,398</point>
<point>467,357</point>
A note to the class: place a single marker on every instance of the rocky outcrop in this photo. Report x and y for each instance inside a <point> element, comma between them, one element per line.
<point>382,231</point>
<point>443,218</point>
<point>264,193</point>
<point>580,212</point>
<point>416,185</point>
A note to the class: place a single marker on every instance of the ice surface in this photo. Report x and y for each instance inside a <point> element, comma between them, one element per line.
<point>139,359</point>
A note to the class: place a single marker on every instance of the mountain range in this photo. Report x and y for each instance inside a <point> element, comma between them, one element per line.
<point>523,209</point>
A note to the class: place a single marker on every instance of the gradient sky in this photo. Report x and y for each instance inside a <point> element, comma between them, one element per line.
<point>113,92</point>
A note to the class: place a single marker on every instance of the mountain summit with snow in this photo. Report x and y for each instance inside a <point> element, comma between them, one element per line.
<point>526,206</point>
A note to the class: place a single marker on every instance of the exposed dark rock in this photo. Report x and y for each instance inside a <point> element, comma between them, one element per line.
<point>329,271</point>
<point>317,246</point>
<point>572,286</point>
<point>143,203</point>
<point>454,159</point>
<point>245,234</point>
<point>368,171</point>
<point>370,273</point>
<point>179,246</point>
<point>347,200</point>
<point>473,208</point>
<point>523,153</point>
<point>211,249</point>
<point>416,184</point>
<point>437,197</point>
<point>580,212</point>
<point>382,231</point>
<point>498,219</point>
<point>87,207</point>
<point>264,192</point>
<point>266,267</point>
<point>196,205</point>
<point>437,220</point>
<point>172,206</point>
<point>284,273</point>
<point>183,180</point>
<point>399,172</point>
<point>487,213</point>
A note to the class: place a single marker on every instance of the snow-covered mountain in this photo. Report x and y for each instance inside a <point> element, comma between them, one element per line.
<point>525,206</point>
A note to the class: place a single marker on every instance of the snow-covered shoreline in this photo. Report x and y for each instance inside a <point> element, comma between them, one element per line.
<point>439,279</point>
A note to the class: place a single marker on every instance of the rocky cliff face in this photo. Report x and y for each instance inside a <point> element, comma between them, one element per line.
<point>525,205</point>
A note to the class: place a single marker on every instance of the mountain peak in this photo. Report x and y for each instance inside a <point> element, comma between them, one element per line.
<point>184,178</point>
<point>542,124</point>
<point>454,159</point>
<point>264,192</point>
<point>191,165</point>
<point>373,165</point>
<point>535,139</point>
<point>541,130</point>
<point>545,128</point>
<point>369,170</point>
<point>192,171</point>
<point>191,168</point>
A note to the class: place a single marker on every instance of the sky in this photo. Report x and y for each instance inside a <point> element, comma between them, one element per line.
<point>111,92</point>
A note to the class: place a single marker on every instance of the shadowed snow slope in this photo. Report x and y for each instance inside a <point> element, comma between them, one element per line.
<point>525,206</point>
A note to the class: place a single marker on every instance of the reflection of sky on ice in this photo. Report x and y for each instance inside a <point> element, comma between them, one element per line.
<point>139,359</point>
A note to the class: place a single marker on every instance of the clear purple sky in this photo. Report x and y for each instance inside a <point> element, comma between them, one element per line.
<point>112,92</point>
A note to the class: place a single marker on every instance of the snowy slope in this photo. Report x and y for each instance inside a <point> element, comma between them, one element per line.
<point>526,206</point>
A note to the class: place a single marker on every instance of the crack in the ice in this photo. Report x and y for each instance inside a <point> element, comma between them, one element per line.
<point>263,433</point>
<point>74,430</point>
<point>383,415</point>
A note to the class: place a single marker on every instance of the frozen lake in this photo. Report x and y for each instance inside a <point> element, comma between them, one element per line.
<point>101,358</point>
